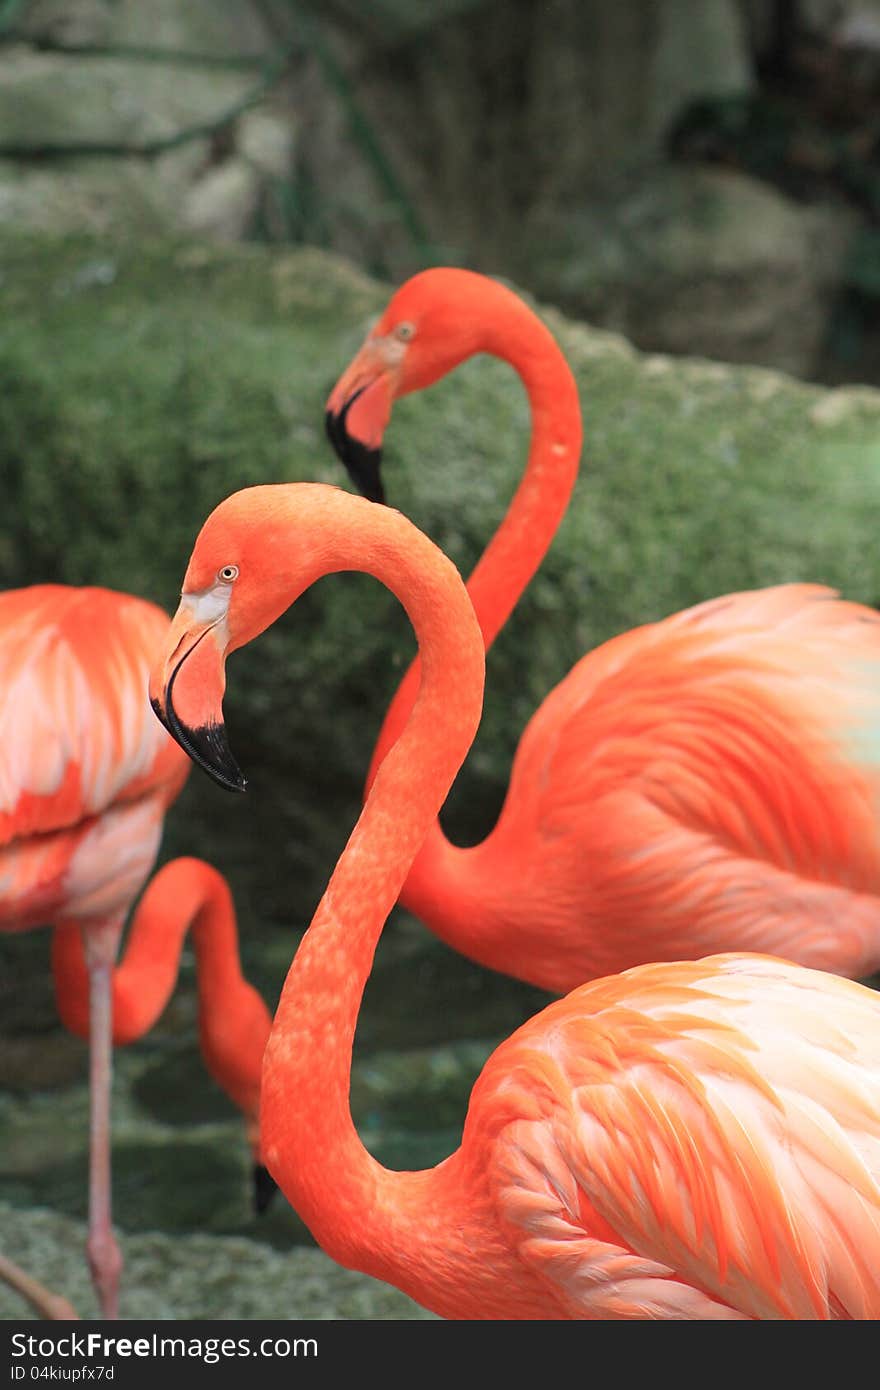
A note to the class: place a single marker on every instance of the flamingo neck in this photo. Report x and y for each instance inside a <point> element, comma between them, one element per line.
<point>360,1213</point>
<point>444,885</point>
<point>523,538</point>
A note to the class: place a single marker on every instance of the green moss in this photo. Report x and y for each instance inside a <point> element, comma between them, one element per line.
<point>143,382</point>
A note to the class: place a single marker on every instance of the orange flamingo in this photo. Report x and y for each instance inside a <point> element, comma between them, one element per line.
<point>85,780</point>
<point>687,1140</point>
<point>709,782</point>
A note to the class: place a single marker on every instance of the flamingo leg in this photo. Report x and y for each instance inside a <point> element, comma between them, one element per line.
<point>42,1300</point>
<point>101,942</point>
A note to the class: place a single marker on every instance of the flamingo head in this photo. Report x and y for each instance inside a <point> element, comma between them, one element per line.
<point>248,565</point>
<point>433,322</point>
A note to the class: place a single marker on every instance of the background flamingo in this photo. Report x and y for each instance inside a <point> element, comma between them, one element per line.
<point>688,1140</point>
<point>707,782</point>
<point>185,895</point>
<point>85,780</point>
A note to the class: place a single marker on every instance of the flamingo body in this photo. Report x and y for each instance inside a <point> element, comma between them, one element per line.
<point>712,778</point>
<point>84,781</point>
<point>686,1140</point>
<point>696,1139</point>
<point>704,783</point>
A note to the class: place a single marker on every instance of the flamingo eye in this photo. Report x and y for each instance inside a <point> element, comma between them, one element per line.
<point>227,574</point>
<point>404,331</point>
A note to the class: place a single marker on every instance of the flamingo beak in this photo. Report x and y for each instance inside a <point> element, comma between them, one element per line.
<point>186,691</point>
<point>357,412</point>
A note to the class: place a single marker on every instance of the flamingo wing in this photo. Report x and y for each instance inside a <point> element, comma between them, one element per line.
<point>722,766</point>
<point>694,1140</point>
<point>76,731</point>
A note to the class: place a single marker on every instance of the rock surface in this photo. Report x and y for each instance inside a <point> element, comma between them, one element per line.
<point>699,260</point>
<point>567,113</point>
<point>542,102</point>
<point>105,90</point>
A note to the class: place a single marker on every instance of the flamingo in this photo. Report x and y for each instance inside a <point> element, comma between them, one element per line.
<point>703,783</point>
<point>696,1139</point>
<point>85,780</point>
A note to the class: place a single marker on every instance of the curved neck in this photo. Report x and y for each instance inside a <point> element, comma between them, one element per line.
<point>354,1207</point>
<point>233,1022</point>
<point>523,538</point>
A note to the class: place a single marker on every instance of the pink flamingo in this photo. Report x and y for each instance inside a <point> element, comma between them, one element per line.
<point>705,783</point>
<point>85,781</point>
<point>686,1140</point>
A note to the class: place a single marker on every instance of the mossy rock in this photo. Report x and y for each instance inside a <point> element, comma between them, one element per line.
<point>196,1276</point>
<point>142,383</point>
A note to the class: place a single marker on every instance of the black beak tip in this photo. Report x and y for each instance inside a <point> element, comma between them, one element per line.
<point>362,463</point>
<point>265,1188</point>
<point>207,746</point>
<point>157,710</point>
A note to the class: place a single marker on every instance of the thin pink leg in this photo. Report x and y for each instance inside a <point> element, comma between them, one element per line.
<point>48,1305</point>
<point>105,1260</point>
